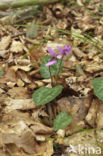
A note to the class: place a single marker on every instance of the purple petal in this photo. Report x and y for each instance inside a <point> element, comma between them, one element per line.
<point>59,56</point>
<point>52,52</point>
<point>67,49</point>
<point>51,62</point>
<point>60,49</point>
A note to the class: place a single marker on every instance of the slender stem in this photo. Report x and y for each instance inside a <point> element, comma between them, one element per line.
<point>59,68</point>
<point>60,65</point>
<point>51,76</point>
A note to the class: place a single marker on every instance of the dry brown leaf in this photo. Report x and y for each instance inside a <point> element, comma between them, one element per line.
<point>3,52</point>
<point>16,47</point>
<point>87,138</point>
<point>99,120</point>
<point>4,43</point>
<point>80,2</point>
<point>26,141</point>
<point>23,62</point>
<point>39,112</point>
<point>15,115</point>
<point>85,21</point>
<point>2,153</point>
<point>9,76</point>
<point>24,68</point>
<point>78,53</point>
<point>19,104</point>
<point>78,108</point>
<point>20,83</point>
<point>18,93</point>
<point>1,91</point>
<point>62,24</point>
<point>39,128</point>
<point>81,85</point>
<point>92,113</point>
<point>36,55</point>
<point>23,76</point>
<point>49,148</point>
<point>58,10</point>
<point>94,67</point>
<point>11,84</point>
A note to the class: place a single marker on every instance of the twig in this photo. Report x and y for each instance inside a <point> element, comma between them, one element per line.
<point>19,34</point>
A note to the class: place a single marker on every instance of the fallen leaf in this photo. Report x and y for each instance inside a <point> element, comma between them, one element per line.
<point>16,47</point>
<point>19,104</point>
<point>92,113</point>
<point>4,43</point>
<point>19,93</point>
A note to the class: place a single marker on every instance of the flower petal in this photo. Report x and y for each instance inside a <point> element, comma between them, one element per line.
<point>52,52</point>
<point>59,56</point>
<point>67,49</point>
<point>60,49</point>
<point>51,62</point>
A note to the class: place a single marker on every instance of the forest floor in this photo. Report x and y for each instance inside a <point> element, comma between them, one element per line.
<point>25,35</point>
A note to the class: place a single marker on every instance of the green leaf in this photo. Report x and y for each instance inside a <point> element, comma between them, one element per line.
<point>62,120</point>
<point>44,71</point>
<point>1,73</point>
<point>98,87</point>
<point>44,95</point>
<point>32,31</point>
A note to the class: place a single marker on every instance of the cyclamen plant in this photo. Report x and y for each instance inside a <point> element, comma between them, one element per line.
<point>54,58</point>
<point>52,66</point>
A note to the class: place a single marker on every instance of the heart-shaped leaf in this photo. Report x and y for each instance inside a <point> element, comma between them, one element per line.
<point>44,94</point>
<point>62,120</point>
<point>98,87</point>
<point>44,71</point>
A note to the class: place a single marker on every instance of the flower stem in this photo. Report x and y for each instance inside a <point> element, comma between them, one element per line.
<point>59,68</point>
<point>60,65</point>
<point>51,77</point>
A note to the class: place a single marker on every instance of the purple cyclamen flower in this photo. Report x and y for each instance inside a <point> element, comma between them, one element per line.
<point>53,55</point>
<point>64,51</point>
<point>52,52</point>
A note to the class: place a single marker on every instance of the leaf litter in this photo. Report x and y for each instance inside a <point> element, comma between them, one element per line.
<point>26,129</point>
